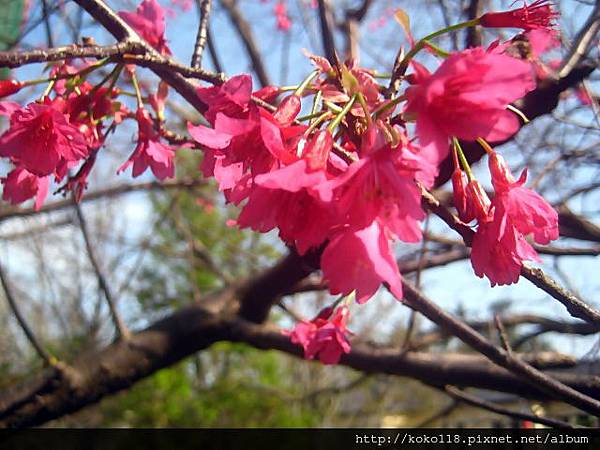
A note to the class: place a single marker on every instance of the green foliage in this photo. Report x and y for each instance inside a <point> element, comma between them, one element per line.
<point>11,18</point>
<point>231,385</point>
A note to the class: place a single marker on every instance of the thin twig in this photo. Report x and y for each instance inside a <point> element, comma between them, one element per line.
<point>48,359</point>
<point>113,191</point>
<point>204,7</point>
<point>245,31</point>
<point>47,25</point>
<point>326,22</point>
<point>445,411</point>
<point>516,365</point>
<point>462,396</point>
<point>213,51</point>
<point>102,282</point>
<point>502,333</point>
<point>582,42</point>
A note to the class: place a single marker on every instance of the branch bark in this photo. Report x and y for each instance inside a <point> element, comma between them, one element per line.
<point>196,327</point>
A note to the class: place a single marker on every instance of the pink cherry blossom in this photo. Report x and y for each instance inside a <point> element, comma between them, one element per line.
<point>230,98</point>
<point>281,15</point>
<point>499,249</point>
<point>150,152</point>
<point>149,22</point>
<point>528,211</point>
<point>360,261</point>
<point>40,138</point>
<point>467,98</point>
<point>285,199</point>
<point>381,185</point>
<point>323,336</point>
<point>21,185</point>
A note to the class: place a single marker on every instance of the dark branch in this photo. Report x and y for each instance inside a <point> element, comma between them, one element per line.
<point>480,403</point>
<point>204,7</point>
<point>245,31</point>
<point>551,386</point>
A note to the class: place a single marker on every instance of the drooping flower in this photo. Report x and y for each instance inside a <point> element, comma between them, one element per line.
<point>499,246</point>
<point>499,249</point>
<point>40,138</point>
<point>326,335</point>
<point>467,98</point>
<point>528,211</point>
<point>150,152</point>
<point>539,14</point>
<point>21,185</point>
<point>360,261</point>
<point>149,22</point>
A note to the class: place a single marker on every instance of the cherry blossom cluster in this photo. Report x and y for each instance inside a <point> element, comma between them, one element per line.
<point>59,135</point>
<point>336,164</point>
<point>346,178</point>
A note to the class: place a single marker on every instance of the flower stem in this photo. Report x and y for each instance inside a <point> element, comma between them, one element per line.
<point>387,106</point>
<point>421,43</point>
<point>487,147</point>
<point>363,103</point>
<point>462,158</point>
<point>338,119</point>
<point>138,93</point>
<point>518,112</point>
<point>306,83</point>
<point>316,100</point>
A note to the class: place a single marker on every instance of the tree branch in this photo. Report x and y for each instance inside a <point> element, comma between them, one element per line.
<point>12,302</point>
<point>464,397</point>
<point>122,330</point>
<point>11,212</point>
<point>326,23</point>
<point>123,32</point>
<point>551,386</point>
<point>245,32</point>
<point>576,307</point>
<point>204,7</point>
<point>196,327</point>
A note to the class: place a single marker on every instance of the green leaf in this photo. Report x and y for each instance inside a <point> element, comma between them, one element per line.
<point>12,16</point>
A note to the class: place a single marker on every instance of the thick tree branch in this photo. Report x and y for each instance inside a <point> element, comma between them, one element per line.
<point>19,58</point>
<point>196,327</point>
<point>131,52</point>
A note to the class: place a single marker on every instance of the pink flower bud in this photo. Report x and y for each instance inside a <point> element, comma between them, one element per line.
<point>529,17</point>
<point>9,87</point>
<point>287,110</point>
